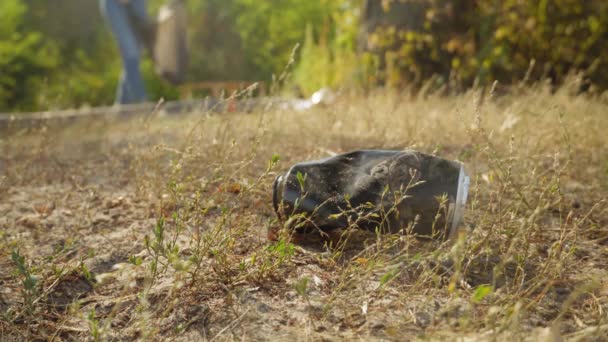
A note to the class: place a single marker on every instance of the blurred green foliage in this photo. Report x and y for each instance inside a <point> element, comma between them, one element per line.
<point>23,56</point>
<point>328,56</point>
<point>57,54</point>
<point>270,29</point>
<point>463,42</point>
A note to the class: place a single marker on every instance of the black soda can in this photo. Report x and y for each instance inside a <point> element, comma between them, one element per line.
<point>377,190</point>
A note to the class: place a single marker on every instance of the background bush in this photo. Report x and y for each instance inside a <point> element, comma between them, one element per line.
<point>25,58</point>
<point>487,40</point>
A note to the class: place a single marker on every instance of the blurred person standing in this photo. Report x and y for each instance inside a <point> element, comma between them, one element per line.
<point>128,20</point>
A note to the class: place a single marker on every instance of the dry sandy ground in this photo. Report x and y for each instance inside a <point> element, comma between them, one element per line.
<point>83,204</point>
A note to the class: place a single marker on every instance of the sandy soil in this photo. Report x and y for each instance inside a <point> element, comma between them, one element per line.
<point>82,202</point>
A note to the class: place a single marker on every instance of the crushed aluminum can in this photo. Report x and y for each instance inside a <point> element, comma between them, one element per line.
<point>390,191</point>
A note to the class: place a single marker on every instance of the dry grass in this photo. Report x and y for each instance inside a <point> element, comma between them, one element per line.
<point>155,228</point>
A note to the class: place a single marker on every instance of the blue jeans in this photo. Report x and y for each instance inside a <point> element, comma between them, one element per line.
<point>119,17</point>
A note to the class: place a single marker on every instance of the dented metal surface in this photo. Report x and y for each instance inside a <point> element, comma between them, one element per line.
<point>391,191</point>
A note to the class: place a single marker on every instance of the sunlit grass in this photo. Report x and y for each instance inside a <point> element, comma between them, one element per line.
<point>157,228</point>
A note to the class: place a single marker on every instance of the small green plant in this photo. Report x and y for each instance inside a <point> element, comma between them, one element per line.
<point>481,292</point>
<point>85,271</point>
<point>282,249</point>
<point>301,287</point>
<point>29,290</point>
<point>156,247</point>
<point>388,276</point>
<point>135,260</point>
<point>272,257</point>
<point>301,180</point>
<point>271,163</point>
<point>94,325</point>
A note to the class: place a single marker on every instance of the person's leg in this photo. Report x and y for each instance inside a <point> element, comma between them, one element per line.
<point>131,88</point>
<point>122,91</point>
<point>146,28</point>
<point>138,8</point>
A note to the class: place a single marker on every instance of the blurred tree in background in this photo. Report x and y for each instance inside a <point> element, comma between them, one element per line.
<point>25,57</point>
<point>462,42</point>
<point>270,29</point>
<point>57,54</point>
<point>87,69</point>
